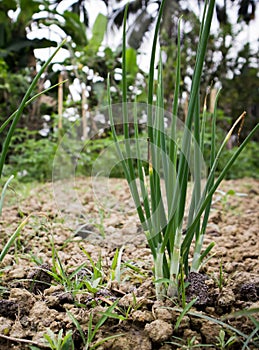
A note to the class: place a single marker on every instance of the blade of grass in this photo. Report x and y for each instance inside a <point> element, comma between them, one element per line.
<point>141,172</point>
<point>188,238</point>
<point>214,320</point>
<point>21,108</point>
<point>173,145</point>
<point>3,193</point>
<point>128,159</point>
<point>123,160</point>
<point>78,326</point>
<point>182,177</point>
<point>197,256</point>
<point>101,321</point>
<point>184,312</point>
<point>153,174</point>
<point>4,125</point>
<point>186,142</point>
<point>13,237</point>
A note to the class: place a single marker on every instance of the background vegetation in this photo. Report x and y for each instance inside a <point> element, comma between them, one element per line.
<point>93,49</point>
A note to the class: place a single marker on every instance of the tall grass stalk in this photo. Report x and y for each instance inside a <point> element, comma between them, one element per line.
<point>170,163</point>
<point>15,117</point>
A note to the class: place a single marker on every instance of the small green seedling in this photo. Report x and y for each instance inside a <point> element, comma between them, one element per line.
<point>13,237</point>
<point>3,193</point>
<point>191,343</point>
<point>58,273</point>
<point>116,270</point>
<point>91,331</point>
<point>221,282</point>
<point>59,342</point>
<point>95,280</point>
<point>222,342</point>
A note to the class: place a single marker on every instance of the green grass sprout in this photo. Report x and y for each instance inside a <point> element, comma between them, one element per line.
<point>3,193</point>
<point>91,331</point>
<point>59,342</point>
<point>13,237</point>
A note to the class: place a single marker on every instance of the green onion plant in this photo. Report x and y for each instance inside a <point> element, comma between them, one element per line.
<point>172,162</point>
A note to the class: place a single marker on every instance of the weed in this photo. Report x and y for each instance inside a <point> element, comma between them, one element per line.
<point>91,331</point>
<point>236,335</point>
<point>191,343</point>
<point>222,342</point>
<point>59,342</point>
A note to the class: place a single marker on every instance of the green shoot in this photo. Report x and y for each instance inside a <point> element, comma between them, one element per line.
<point>238,334</point>
<point>59,342</point>
<point>3,193</point>
<point>13,237</point>
<point>184,312</point>
<point>91,332</point>
<point>222,342</point>
<point>191,343</point>
<point>115,273</point>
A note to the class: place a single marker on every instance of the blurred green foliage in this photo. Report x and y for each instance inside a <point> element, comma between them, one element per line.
<point>30,158</point>
<point>247,164</point>
<point>90,60</point>
<point>32,155</point>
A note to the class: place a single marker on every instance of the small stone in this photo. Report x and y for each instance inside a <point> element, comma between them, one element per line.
<point>166,347</point>
<point>23,298</point>
<point>226,298</point>
<point>41,315</point>
<point>39,279</point>
<point>130,341</point>
<point>7,261</point>
<point>159,330</point>
<point>216,217</point>
<point>17,273</point>
<point>54,290</point>
<point>163,314</point>
<point>17,330</point>
<point>210,310</point>
<point>142,316</point>
<point>210,331</point>
<point>57,301</point>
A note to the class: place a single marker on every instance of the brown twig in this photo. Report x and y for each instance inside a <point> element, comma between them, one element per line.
<point>20,340</point>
